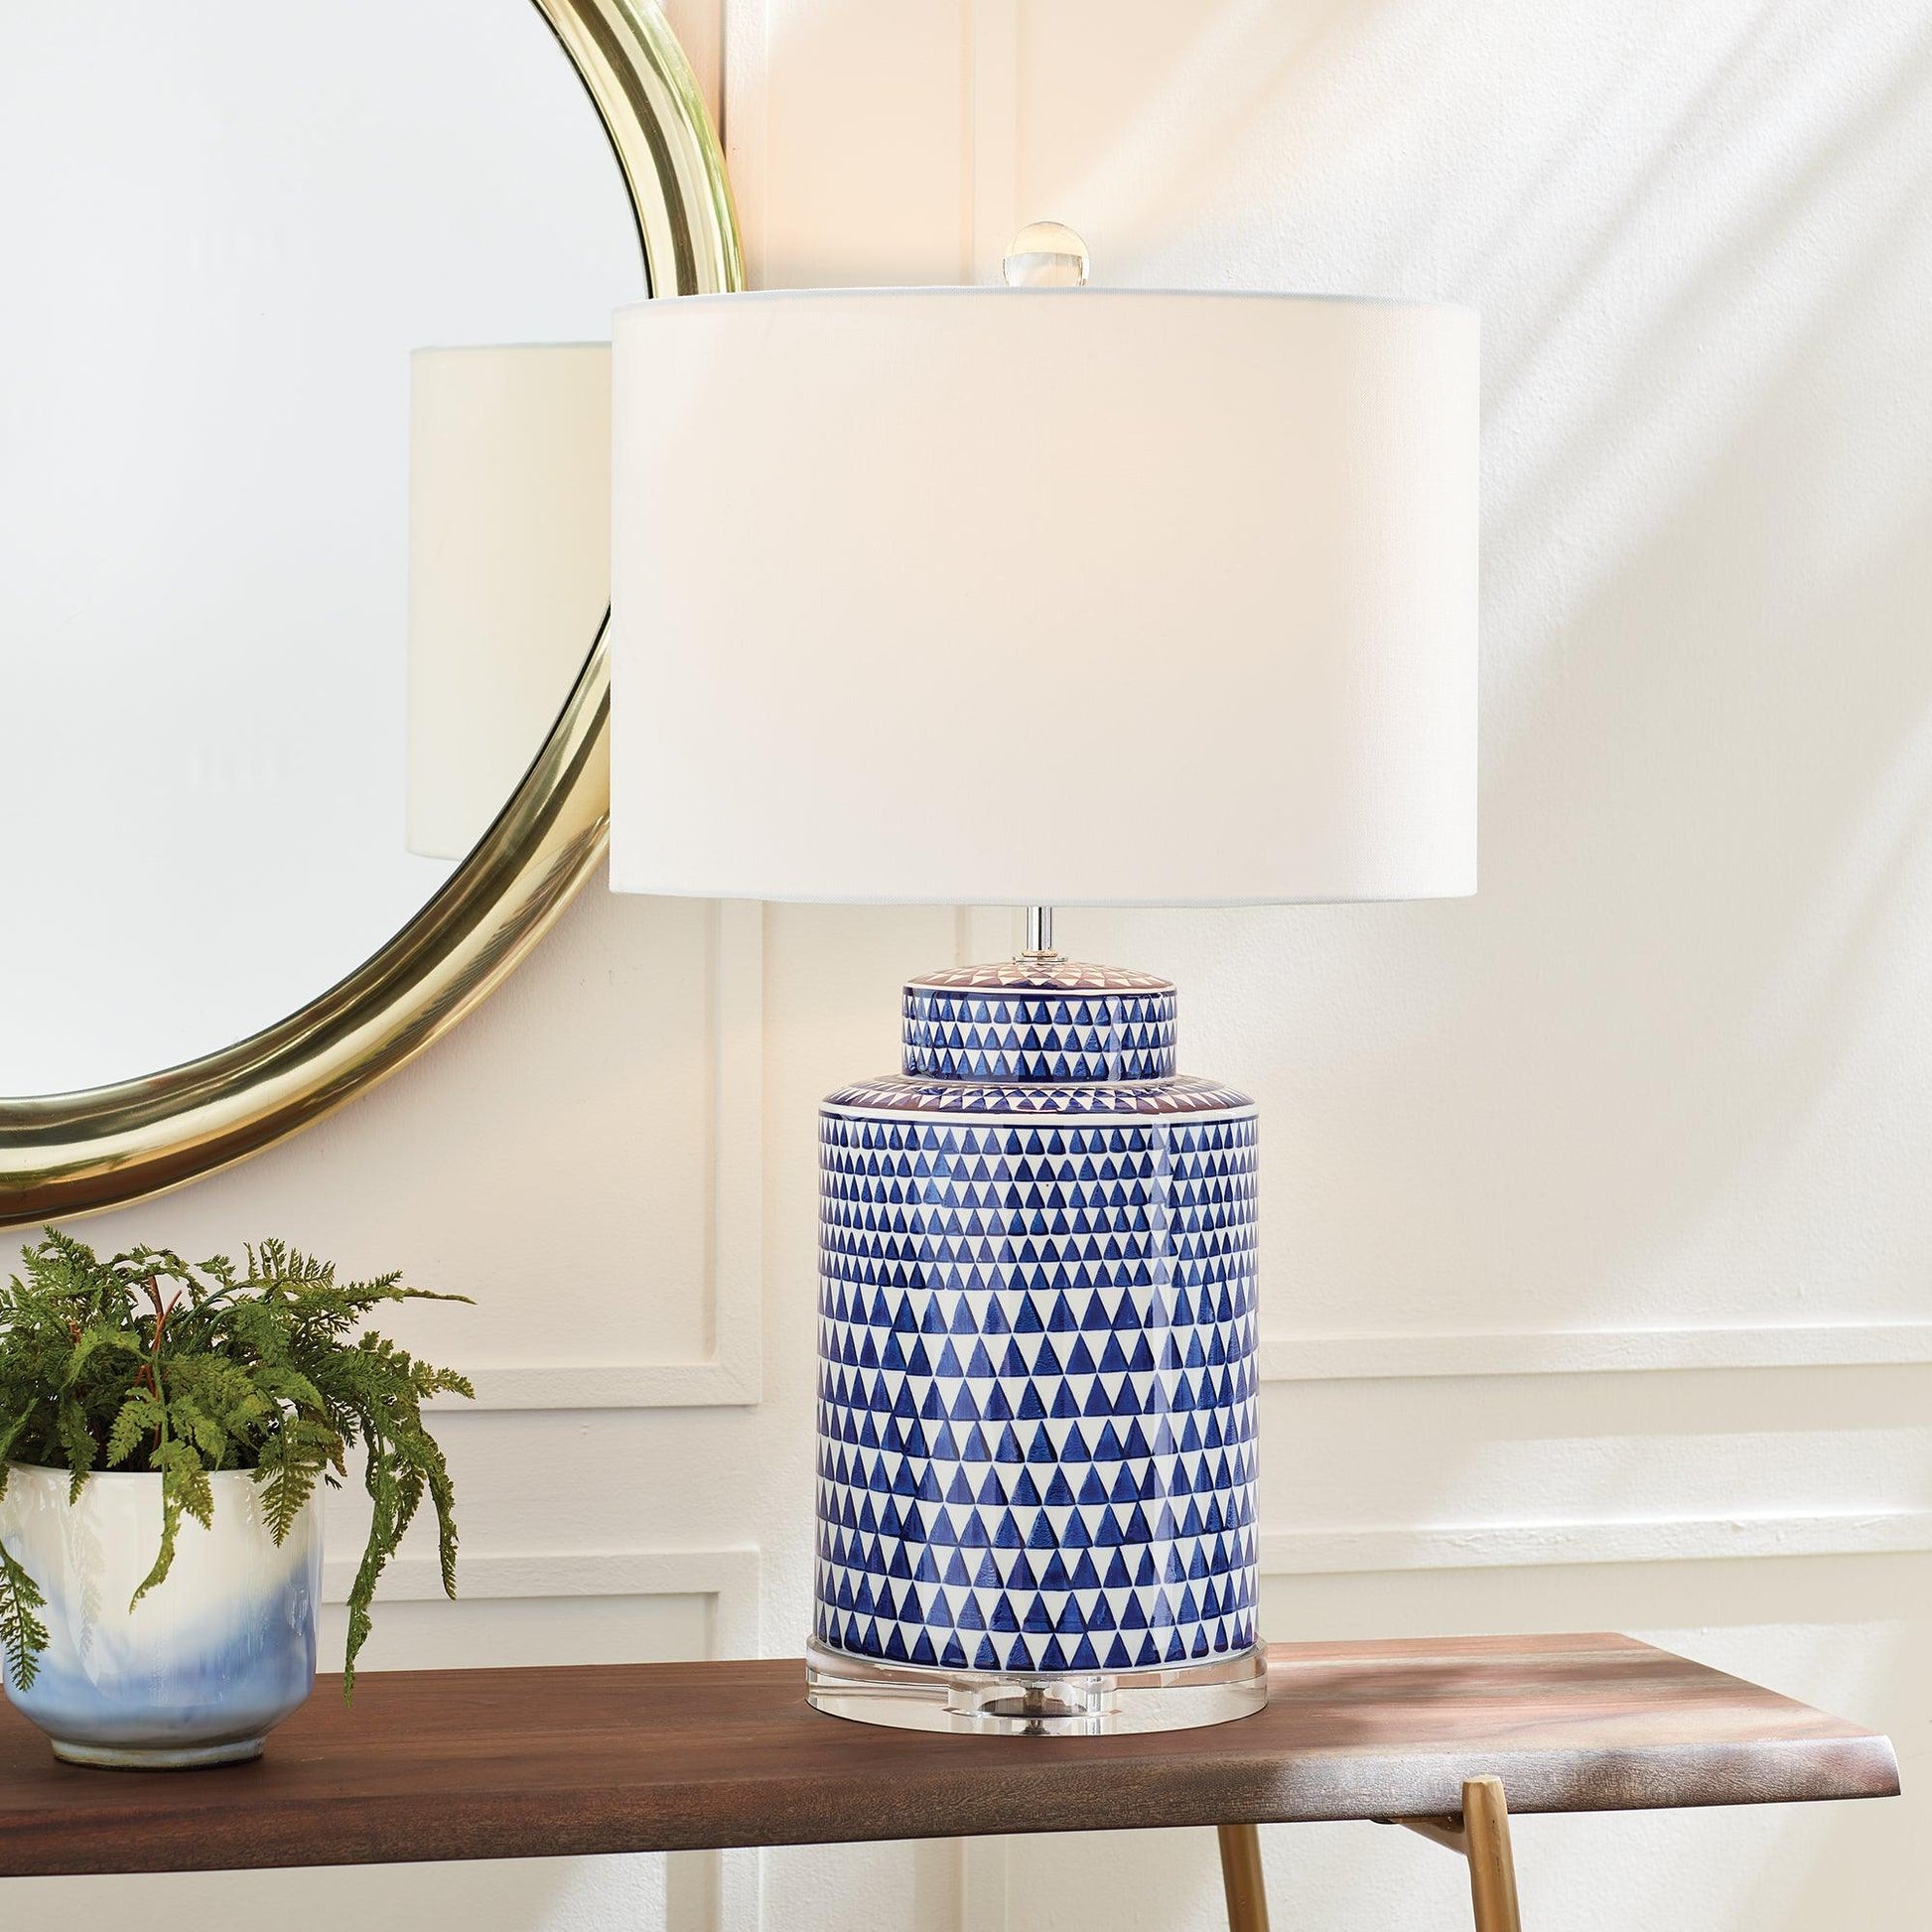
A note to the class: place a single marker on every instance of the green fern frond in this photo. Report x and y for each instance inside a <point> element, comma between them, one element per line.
<point>22,1633</point>
<point>139,1416</point>
<point>144,1363</point>
<point>286,1484</point>
<point>97,1334</point>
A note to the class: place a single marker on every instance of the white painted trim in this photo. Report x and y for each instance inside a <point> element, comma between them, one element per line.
<point>741,1890</point>
<point>985,1874</point>
<point>729,1575</point>
<point>733,1373</point>
<point>744,117</point>
<point>738,1153</point>
<point>567,1386</point>
<point>1672,1539</point>
<point>992,137</point>
<point>1591,1351</point>
<point>1317,1358</point>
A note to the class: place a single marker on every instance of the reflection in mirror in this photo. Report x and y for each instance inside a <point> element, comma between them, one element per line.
<point>228,227</point>
<point>509,567</point>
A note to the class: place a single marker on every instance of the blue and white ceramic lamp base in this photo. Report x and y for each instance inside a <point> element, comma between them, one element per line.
<point>1037,1470</point>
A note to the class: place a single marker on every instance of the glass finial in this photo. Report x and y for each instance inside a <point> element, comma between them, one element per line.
<point>1046,255</point>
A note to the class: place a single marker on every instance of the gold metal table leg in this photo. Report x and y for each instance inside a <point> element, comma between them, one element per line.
<point>1482,1836</point>
<point>1241,1879</point>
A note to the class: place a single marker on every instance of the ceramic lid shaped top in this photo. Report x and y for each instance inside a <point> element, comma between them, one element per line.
<point>1042,973</point>
<point>1040,1019</point>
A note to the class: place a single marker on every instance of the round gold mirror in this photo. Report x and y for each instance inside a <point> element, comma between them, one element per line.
<point>89,520</point>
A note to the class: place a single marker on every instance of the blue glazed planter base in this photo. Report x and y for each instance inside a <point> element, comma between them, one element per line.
<point>908,1697</point>
<point>204,1667</point>
<point>185,1758</point>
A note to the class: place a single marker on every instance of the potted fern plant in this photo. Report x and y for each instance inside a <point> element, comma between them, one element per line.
<point>164,1434</point>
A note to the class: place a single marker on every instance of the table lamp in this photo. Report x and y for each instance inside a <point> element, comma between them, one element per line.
<point>1059,596</point>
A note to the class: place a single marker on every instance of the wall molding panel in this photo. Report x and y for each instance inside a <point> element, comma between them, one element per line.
<point>741,123</point>
<point>1522,1546</point>
<point>1369,1357</point>
<point>991,171</point>
<point>731,1375</point>
<point>729,1575</point>
<point>984,1884</point>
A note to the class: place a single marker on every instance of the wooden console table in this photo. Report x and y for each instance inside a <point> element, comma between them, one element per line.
<point>1446,1737</point>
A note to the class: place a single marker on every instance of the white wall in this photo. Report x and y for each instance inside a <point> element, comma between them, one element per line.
<point>1595,1209</point>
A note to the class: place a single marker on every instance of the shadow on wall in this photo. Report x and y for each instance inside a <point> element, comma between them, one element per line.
<point>1671,1064</point>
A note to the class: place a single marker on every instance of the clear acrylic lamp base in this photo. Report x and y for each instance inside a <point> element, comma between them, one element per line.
<point>911,1696</point>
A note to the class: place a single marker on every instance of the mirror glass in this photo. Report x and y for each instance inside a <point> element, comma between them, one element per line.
<point>227,226</point>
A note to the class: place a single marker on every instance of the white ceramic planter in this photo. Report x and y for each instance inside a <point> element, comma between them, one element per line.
<point>207,1664</point>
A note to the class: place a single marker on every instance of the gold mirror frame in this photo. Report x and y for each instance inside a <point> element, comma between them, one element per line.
<point>72,1154</point>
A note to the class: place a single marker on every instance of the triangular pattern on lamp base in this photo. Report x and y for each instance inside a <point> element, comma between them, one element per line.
<point>1037,1370</point>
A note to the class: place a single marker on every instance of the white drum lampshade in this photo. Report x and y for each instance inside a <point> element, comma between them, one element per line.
<point>1059,596</point>
<point>509,568</point>
<point>1046,596</point>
